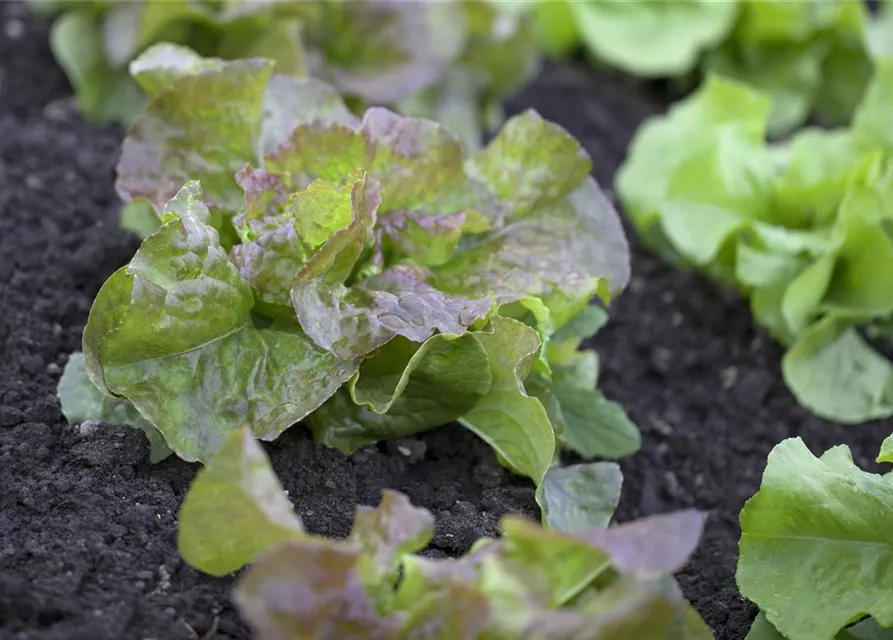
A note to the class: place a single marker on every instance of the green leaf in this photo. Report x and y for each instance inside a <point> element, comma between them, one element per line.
<point>762,629</point>
<point>532,163</point>
<point>173,333</point>
<point>594,426</point>
<point>820,167</point>
<point>791,72</point>
<point>140,217</point>
<point>871,122</point>
<point>886,454</point>
<point>513,423</point>
<point>719,108</point>
<point>583,325</point>
<point>311,589</point>
<point>653,39</point>
<point>563,344</point>
<point>103,93</point>
<point>403,389</point>
<point>867,629</point>
<point>815,543</point>
<point>235,509</point>
<point>555,27</point>
<point>204,127</point>
<point>82,401</point>
<point>581,496</point>
<point>837,375</point>
<point>290,102</point>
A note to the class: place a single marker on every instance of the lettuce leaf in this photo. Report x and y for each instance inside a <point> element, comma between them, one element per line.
<point>594,583</point>
<point>815,543</point>
<point>580,496</point>
<point>810,58</point>
<point>800,227</point>
<point>361,274</point>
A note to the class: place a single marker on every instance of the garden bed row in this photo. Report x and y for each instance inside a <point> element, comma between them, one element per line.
<point>87,525</point>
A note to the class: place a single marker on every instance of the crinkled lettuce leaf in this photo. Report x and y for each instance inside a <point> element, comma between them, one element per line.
<point>801,227</point>
<point>592,583</point>
<point>815,543</point>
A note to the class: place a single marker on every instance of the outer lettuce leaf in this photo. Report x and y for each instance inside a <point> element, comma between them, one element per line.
<point>595,584</point>
<point>581,496</point>
<point>815,543</point>
<point>172,332</point>
<point>162,64</point>
<point>235,509</point>
<point>835,373</point>
<point>404,389</point>
<point>82,401</point>
<point>167,147</point>
<point>528,182</point>
<point>513,423</point>
<point>867,629</point>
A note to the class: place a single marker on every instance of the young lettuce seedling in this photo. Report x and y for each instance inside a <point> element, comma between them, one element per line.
<point>357,274</point>
<point>596,584</point>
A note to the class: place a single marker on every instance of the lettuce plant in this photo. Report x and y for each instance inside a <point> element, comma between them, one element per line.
<point>532,582</point>
<point>811,57</point>
<point>803,228</point>
<point>816,547</point>
<point>452,61</point>
<point>357,274</point>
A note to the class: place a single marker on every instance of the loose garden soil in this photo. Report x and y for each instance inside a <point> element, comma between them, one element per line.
<point>88,526</point>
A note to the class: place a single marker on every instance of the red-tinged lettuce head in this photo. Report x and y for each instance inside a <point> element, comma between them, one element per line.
<point>362,273</point>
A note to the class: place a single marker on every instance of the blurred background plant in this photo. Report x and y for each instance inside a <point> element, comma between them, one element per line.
<point>450,61</point>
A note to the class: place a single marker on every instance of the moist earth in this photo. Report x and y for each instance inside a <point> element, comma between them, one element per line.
<point>88,526</point>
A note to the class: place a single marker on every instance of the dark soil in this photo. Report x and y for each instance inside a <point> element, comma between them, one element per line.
<point>87,525</point>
